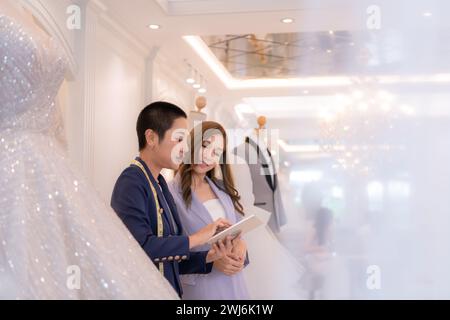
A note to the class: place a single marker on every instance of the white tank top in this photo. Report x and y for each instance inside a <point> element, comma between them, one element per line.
<point>215,209</point>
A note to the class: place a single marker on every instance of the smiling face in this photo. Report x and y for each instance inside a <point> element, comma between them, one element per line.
<point>209,153</point>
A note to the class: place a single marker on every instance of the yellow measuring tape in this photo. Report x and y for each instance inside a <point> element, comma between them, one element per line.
<point>159,210</point>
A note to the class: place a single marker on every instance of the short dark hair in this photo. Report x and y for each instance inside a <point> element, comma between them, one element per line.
<point>159,117</point>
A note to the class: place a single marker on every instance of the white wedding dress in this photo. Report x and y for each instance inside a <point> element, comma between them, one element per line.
<point>54,229</point>
<point>273,272</point>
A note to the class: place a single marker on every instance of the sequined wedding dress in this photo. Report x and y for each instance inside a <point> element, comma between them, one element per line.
<point>273,272</point>
<point>58,240</point>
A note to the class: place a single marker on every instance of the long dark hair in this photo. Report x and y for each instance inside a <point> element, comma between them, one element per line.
<point>207,129</point>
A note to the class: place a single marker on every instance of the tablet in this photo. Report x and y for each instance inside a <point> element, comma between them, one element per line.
<point>242,227</point>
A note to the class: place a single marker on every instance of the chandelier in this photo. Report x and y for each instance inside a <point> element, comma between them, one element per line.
<point>359,131</point>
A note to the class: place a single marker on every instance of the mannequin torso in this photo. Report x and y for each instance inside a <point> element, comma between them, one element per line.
<point>16,9</point>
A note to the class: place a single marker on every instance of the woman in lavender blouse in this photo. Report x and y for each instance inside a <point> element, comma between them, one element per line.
<point>201,199</point>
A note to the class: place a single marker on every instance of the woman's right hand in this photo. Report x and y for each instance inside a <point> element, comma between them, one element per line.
<point>229,263</point>
<point>202,236</point>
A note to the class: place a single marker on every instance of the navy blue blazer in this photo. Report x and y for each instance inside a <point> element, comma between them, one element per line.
<point>133,201</point>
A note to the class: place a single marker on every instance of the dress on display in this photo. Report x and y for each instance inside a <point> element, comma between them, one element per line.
<point>58,240</point>
<point>273,272</point>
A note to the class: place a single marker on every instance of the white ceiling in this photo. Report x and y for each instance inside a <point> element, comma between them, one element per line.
<point>284,107</point>
<point>219,17</point>
<point>316,107</point>
<point>198,7</point>
<point>212,17</point>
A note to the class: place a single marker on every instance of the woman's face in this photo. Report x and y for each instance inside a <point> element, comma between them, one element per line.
<point>210,154</point>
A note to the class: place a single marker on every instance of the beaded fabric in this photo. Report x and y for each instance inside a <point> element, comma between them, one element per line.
<point>58,240</point>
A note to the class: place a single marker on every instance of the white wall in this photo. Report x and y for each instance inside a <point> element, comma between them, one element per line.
<point>112,78</point>
<point>119,97</point>
<point>168,83</point>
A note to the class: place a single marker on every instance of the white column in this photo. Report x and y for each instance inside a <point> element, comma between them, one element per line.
<point>81,111</point>
<point>149,75</point>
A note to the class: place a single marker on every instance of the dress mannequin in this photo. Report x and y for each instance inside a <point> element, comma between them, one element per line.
<point>195,117</point>
<point>17,8</point>
<point>51,217</point>
<point>262,170</point>
<point>285,271</point>
<point>258,137</point>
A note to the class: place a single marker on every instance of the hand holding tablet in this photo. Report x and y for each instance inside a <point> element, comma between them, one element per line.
<point>242,227</point>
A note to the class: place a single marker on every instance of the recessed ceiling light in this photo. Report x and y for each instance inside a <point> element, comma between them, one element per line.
<point>287,20</point>
<point>331,32</point>
<point>196,86</point>
<point>427,14</point>
<point>202,90</point>
<point>154,26</point>
<point>190,80</point>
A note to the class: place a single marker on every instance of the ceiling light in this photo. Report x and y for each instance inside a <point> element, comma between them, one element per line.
<point>202,88</point>
<point>305,176</point>
<point>331,32</point>
<point>287,20</point>
<point>244,108</point>
<point>190,76</point>
<point>407,110</point>
<point>427,14</point>
<point>154,26</point>
<point>198,80</point>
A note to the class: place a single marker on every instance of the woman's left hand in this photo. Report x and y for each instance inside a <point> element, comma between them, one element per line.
<point>240,248</point>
